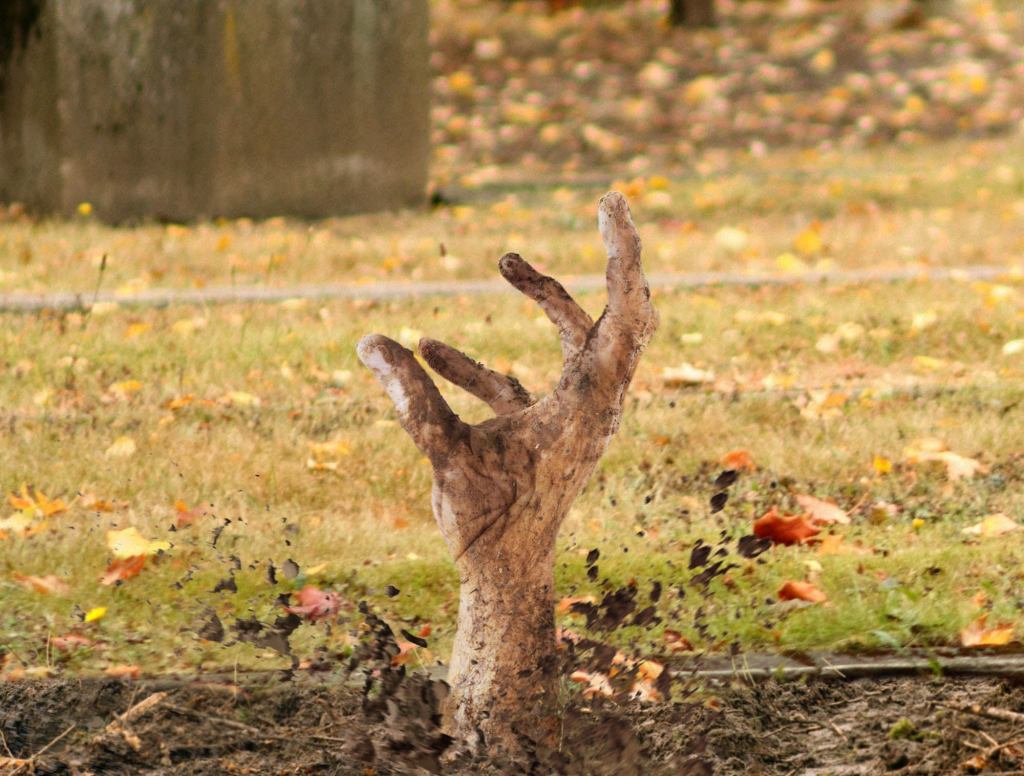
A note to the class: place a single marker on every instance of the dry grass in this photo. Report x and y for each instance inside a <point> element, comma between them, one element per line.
<point>368,524</point>
<point>947,204</point>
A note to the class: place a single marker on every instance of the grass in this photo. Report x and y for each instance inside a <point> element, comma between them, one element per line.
<point>227,402</point>
<point>943,204</point>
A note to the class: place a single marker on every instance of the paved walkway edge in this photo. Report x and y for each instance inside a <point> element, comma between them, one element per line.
<point>80,300</point>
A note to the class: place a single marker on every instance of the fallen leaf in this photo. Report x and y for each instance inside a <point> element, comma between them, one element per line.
<point>684,375</point>
<point>996,524</point>
<point>597,683</point>
<point>881,465</point>
<point>565,605</point>
<point>977,635</point>
<point>784,529</point>
<point>738,460</point>
<point>96,613</point>
<point>70,642</point>
<point>241,399</point>
<point>185,516</point>
<point>122,447</point>
<point>315,604</point>
<point>676,641</point>
<point>31,500</point>
<point>123,672</point>
<point>48,585</point>
<point>931,450</point>
<point>801,591</point>
<point>407,651</point>
<point>129,543</point>
<point>122,569</point>
<point>823,512</point>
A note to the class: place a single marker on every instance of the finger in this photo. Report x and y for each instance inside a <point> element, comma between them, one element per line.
<point>628,292</point>
<point>422,411</point>
<point>629,320</point>
<point>503,393</point>
<point>573,322</point>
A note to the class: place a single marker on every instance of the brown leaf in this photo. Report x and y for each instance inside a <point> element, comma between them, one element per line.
<point>784,529</point>
<point>677,642</point>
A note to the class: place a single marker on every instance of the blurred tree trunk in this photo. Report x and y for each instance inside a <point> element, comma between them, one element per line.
<point>692,13</point>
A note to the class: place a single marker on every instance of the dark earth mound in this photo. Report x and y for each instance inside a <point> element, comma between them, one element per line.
<point>866,726</point>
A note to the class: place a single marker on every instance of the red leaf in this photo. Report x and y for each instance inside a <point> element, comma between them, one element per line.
<point>784,529</point>
<point>315,604</point>
<point>123,568</point>
<point>801,591</point>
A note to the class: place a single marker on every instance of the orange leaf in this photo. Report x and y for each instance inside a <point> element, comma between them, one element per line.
<point>123,672</point>
<point>784,529</point>
<point>406,652</point>
<point>823,512</point>
<point>801,591</point>
<point>738,460</point>
<point>977,635</point>
<point>50,584</point>
<point>123,568</point>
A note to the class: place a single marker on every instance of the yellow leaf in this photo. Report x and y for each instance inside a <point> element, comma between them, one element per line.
<point>129,543</point>
<point>137,330</point>
<point>788,262</point>
<point>125,389</point>
<point>809,241</point>
<point>685,374</point>
<point>927,364</point>
<point>823,62</point>
<point>19,523</point>
<point>881,465</point>
<point>732,239</point>
<point>992,525</point>
<point>1013,347</point>
<point>85,209</point>
<point>925,320</point>
<point>122,447</point>
<point>96,613</point>
<point>461,83</point>
<point>241,399</point>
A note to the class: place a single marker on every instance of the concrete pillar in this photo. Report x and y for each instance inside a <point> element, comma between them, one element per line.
<point>181,109</point>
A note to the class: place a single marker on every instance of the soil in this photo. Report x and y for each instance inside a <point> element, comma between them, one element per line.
<point>306,726</point>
